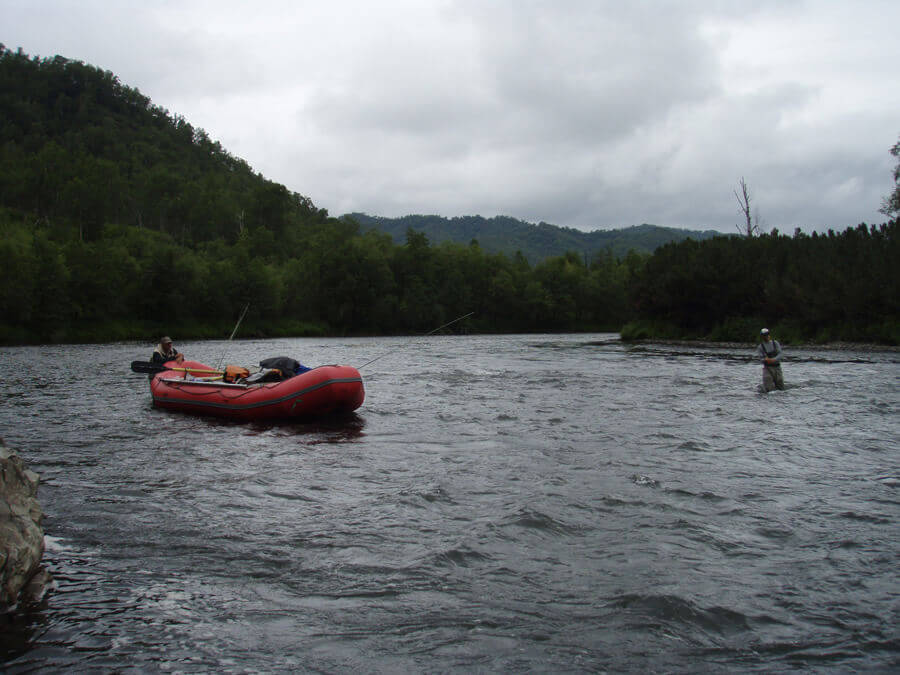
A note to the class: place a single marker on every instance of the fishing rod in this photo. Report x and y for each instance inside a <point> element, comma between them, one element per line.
<point>224,351</point>
<point>449,323</point>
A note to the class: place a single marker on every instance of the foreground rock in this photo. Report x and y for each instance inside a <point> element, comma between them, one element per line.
<point>21,536</point>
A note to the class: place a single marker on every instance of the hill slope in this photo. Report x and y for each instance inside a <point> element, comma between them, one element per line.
<point>507,235</point>
<point>80,149</point>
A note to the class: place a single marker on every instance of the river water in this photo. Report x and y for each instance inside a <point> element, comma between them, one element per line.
<point>542,503</point>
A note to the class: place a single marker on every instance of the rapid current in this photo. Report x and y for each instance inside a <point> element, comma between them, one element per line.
<point>528,503</point>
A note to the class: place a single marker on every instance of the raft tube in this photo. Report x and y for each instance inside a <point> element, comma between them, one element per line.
<point>317,392</point>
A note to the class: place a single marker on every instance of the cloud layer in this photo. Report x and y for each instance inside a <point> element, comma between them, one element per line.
<point>586,114</point>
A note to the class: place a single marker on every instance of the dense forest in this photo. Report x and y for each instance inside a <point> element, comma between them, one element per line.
<point>503,234</point>
<point>837,286</point>
<point>120,220</point>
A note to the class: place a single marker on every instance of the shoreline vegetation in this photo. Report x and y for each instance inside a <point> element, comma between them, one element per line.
<point>751,346</point>
<point>121,221</point>
<point>148,338</point>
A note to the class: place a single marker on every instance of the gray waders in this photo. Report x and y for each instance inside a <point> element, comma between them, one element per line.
<point>772,377</point>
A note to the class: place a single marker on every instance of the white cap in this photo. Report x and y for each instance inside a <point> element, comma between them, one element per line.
<point>764,331</point>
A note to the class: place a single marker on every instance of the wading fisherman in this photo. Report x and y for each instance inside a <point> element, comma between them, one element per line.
<point>769,351</point>
<point>165,351</point>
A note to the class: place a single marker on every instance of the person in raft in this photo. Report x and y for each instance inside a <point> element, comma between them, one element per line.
<point>165,351</point>
<point>769,351</point>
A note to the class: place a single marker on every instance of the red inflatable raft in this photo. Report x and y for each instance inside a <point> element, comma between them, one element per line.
<point>314,393</point>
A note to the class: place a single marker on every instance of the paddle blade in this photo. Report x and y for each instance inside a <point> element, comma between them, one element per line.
<point>147,367</point>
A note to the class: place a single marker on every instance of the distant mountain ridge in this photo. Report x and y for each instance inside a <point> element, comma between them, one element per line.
<point>503,234</point>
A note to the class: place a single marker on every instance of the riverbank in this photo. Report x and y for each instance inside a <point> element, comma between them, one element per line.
<point>830,346</point>
<point>150,331</point>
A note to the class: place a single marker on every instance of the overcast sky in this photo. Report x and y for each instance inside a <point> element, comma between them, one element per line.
<point>588,114</point>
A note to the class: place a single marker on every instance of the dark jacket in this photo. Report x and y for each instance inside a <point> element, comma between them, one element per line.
<point>160,355</point>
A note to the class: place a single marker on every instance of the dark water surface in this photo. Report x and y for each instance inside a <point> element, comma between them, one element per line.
<point>503,504</point>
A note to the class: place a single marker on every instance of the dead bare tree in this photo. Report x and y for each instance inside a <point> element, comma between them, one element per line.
<point>743,199</point>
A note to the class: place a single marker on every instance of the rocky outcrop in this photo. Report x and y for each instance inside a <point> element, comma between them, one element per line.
<point>21,536</point>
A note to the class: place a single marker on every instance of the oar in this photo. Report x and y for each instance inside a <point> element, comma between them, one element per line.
<point>149,367</point>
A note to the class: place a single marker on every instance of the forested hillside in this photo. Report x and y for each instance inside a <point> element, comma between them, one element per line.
<point>120,220</point>
<point>507,235</point>
<point>81,150</point>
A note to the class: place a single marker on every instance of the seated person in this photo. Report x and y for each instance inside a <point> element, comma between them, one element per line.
<point>165,351</point>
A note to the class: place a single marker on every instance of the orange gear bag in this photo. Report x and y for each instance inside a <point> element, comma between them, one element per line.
<point>233,373</point>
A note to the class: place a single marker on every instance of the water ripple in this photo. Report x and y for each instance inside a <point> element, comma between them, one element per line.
<point>498,504</point>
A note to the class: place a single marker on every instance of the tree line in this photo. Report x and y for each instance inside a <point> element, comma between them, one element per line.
<point>819,287</point>
<point>329,279</point>
<point>313,280</point>
<point>119,220</point>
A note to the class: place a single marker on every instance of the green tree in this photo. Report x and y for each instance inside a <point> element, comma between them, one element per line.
<point>891,205</point>
<point>52,308</point>
<point>17,276</point>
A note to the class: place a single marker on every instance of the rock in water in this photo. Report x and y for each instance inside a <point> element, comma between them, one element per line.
<point>21,536</point>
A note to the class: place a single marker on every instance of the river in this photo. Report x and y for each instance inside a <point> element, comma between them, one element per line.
<point>527,503</point>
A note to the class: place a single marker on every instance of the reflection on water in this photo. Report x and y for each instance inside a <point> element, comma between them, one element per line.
<point>499,503</point>
<point>342,428</point>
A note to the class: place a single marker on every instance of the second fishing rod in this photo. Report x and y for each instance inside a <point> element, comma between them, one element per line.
<point>413,339</point>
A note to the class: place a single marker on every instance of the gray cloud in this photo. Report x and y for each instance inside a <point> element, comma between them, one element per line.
<point>586,114</point>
